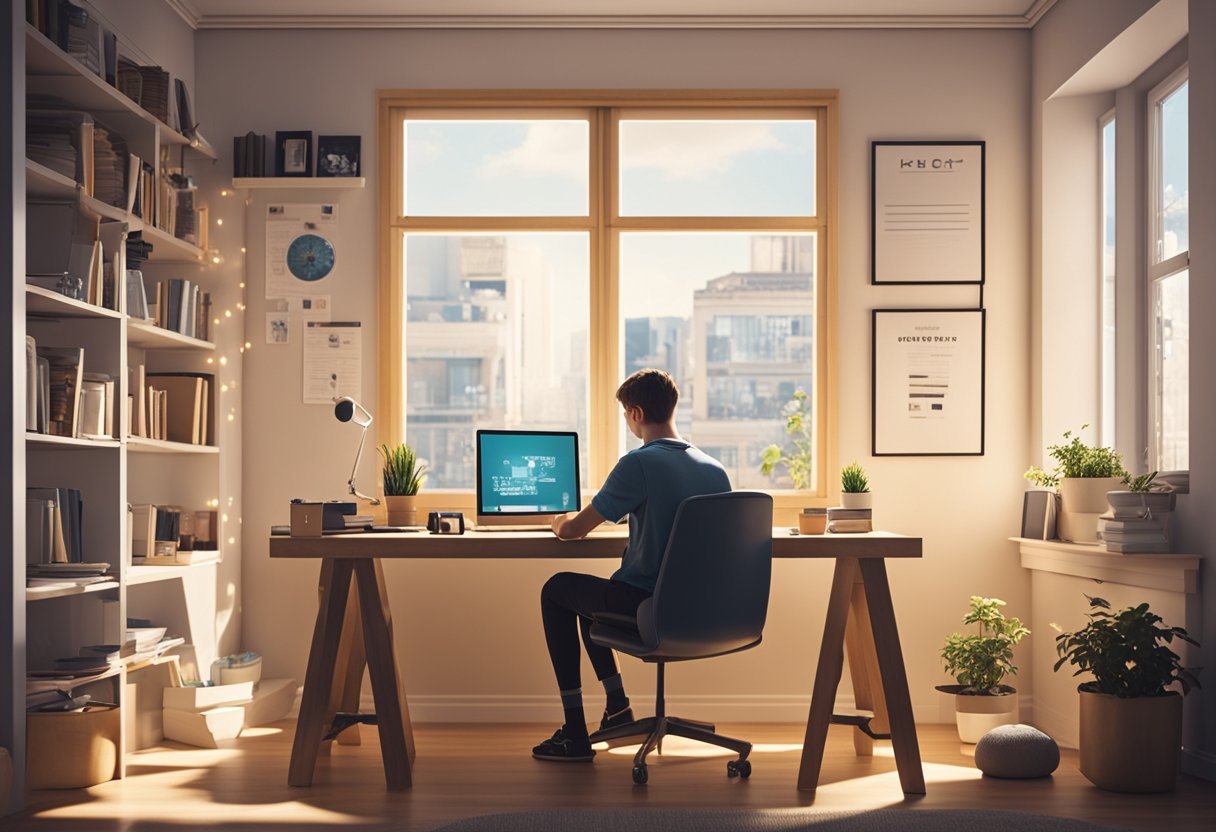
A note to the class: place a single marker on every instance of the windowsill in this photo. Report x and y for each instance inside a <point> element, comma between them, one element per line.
<point>1171,572</point>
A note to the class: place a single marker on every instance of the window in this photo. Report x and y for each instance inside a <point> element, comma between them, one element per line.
<point>1107,260</point>
<point>539,247</point>
<point>1168,272</point>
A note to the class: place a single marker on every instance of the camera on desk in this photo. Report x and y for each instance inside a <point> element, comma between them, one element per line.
<point>445,522</point>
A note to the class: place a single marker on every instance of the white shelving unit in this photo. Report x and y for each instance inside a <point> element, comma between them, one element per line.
<point>112,473</point>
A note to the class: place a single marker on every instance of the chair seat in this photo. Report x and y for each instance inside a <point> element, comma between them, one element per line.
<point>630,642</point>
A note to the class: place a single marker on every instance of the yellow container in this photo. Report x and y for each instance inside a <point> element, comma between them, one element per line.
<point>72,750</point>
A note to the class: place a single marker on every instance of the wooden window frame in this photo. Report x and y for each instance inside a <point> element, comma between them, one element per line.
<point>604,109</point>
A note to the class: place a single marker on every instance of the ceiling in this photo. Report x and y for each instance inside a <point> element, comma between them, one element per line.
<point>483,14</point>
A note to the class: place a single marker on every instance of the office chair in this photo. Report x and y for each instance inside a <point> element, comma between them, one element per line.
<point>711,599</point>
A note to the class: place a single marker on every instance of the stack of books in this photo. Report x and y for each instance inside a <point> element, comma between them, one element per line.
<point>1134,533</point>
<point>249,155</point>
<point>850,520</point>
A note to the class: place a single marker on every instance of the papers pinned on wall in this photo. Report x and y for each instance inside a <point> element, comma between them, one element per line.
<point>333,361</point>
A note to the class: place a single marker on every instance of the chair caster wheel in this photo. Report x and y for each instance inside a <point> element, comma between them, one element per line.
<point>639,775</point>
<point>739,768</point>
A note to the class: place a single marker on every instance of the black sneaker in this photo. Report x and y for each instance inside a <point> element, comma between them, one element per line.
<point>563,749</point>
<point>622,717</point>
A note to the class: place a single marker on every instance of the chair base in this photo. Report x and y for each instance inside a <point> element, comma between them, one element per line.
<point>654,728</point>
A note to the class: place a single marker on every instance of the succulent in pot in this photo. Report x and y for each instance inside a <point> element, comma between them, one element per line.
<point>855,487</point>
<point>403,477</point>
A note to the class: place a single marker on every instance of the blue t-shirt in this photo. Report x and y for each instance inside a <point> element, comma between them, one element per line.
<point>648,484</point>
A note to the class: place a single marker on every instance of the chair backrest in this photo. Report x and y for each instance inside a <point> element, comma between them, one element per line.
<point>712,591</point>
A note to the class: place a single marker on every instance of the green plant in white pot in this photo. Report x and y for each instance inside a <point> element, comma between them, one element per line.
<point>1142,497</point>
<point>855,487</point>
<point>1083,474</point>
<point>797,457</point>
<point>979,662</point>
<point>403,477</point>
<point>1131,723</point>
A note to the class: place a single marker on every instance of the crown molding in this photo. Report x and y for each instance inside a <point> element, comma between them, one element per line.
<point>186,11</point>
<point>405,21</point>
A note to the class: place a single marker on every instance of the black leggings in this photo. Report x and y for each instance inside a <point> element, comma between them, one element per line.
<point>568,596</point>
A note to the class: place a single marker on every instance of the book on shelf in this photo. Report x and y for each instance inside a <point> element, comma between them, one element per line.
<point>97,406</point>
<point>189,405</point>
<point>147,86</point>
<point>61,539</point>
<point>31,383</point>
<point>65,368</point>
<point>60,140</point>
<point>249,155</point>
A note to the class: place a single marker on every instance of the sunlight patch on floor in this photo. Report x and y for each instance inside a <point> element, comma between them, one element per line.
<point>261,731</point>
<point>217,813</point>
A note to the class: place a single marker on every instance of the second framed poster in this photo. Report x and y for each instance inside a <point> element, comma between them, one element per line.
<point>927,212</point>
<point>928,382</point>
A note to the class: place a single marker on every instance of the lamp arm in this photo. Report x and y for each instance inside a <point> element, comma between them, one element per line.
<point>350,484</point>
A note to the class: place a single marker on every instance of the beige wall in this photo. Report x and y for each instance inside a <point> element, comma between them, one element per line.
<point>469,632</point>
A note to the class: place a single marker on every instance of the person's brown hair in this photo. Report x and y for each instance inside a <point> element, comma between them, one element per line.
<point>652,390</point>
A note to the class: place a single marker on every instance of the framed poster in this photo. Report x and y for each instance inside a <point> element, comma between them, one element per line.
<point>928,382</point>
<point>927,212</point>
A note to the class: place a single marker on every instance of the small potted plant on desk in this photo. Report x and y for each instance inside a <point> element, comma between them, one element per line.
<point>1131,725</point>
<point>854,487</point>
<point>403,476</point>
<point>978,662</point>
<point>796,459</point>
<point>1083,474</point>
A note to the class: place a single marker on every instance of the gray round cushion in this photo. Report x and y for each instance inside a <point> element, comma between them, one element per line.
<point>1016,752</point>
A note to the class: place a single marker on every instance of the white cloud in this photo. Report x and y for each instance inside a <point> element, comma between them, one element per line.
<point>692,150</point>
<point>553,148</point>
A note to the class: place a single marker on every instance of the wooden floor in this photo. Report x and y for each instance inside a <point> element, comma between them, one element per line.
<point>467,770</point>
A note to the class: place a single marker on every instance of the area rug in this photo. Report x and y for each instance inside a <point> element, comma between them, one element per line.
<point>768,820</point>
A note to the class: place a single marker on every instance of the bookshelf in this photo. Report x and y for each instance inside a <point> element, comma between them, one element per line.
<point>112,473</point>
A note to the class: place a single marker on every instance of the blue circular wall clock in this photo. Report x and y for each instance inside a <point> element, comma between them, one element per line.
<point>310,257</point>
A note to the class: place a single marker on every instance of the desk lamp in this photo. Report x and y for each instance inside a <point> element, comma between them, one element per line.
<point>347,409</point>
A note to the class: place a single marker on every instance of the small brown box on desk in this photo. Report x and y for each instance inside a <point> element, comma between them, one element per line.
<point>307,519</point>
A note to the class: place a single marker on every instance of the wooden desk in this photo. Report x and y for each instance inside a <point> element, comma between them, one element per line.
<point>859,613</point>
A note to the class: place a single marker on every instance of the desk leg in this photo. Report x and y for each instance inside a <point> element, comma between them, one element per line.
<point>894,681</point>
<point>315,712</point>
<point>863,670</point>
<point>392,711</point>
<point>827,675</point>
<point>348,672</point>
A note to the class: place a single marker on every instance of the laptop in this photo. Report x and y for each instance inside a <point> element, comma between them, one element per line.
<point>525,478</point>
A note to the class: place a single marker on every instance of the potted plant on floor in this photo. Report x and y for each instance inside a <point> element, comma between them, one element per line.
<point>796,458</point>
<point>854,487</point>
<point>979,662</point>
<point>1083,474</point>
<point>1131,725</point>
<point>403,476</point>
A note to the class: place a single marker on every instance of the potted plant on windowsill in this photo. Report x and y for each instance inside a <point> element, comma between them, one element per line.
<point>1131,725</point>
<point>854,487</point>
<point>403,476</point>
<point>796,458</point>
<point>1083,475</point>
<point>1142,497</point>
<point>979,662</point>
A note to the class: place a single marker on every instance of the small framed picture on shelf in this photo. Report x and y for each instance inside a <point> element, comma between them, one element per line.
<point>293,153</point>
<point>338,155</point>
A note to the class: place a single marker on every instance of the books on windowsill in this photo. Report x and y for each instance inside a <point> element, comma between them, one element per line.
<point>1134,534</point>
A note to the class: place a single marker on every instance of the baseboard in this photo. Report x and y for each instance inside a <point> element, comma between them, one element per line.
<point>1061,726</point>
<point>547,708</point>
<point>1199,763</point>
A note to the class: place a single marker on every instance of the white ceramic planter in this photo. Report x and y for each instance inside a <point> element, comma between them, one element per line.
<point>977,715</point>
<point>1140,503</point>
<point>853,499</point>
<point>1082,500</point>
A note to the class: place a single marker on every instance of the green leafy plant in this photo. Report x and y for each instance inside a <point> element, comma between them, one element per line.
<point>797,457</point>
<point>1142,483</point>
<point>1076,459</point>
<point>1126,651</point>
<point>853,479</point>
<point>403,475</point>
<point>979,661</point>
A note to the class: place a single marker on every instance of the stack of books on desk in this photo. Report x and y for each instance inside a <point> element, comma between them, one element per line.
<point>850,520</point>
<point>1134,534</point>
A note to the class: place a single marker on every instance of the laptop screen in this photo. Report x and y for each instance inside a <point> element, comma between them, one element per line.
<point>523,473</point>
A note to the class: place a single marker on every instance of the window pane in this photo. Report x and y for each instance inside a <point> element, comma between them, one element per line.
<point>496,168</point>
<point>1174,196</point>
<point>717,168</point>
<point>495,337</point>
<point>1172,368</point>
<point>1108,284</point>
<point>732,318</point>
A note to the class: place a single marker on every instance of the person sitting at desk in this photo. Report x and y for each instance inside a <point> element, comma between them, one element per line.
<point>648,484</point>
